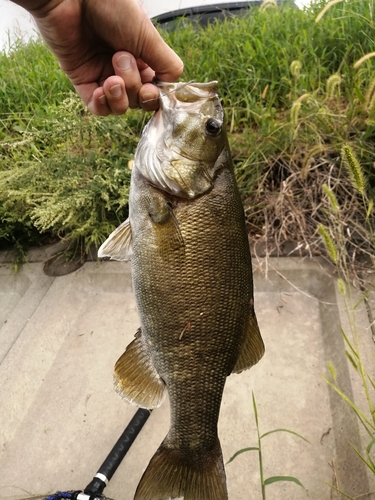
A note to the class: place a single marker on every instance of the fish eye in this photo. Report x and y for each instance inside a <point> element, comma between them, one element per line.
<point>213,127</point>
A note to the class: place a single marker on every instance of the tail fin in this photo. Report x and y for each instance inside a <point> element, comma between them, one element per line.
<point>173,473</point>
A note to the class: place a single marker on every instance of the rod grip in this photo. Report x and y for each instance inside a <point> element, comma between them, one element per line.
<point>118,452</point>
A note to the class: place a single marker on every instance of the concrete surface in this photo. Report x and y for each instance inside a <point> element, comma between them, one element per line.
<point>59,414</point>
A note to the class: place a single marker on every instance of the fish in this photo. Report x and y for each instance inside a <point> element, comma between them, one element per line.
<point>192,279</point>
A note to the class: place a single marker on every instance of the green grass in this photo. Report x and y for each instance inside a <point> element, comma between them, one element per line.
<point>292,98</point>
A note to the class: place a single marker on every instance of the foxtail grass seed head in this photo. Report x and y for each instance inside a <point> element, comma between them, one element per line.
<point>326,8</point>
<point>333,84</point>
<point>341,286</point>
<point>332,370</point>
<point>328,243</point>
<point>363,59</point>
<point>294,113</point>
<point>369,97</point>
<point>306,97</point>
<point>354,169</point>
<point>266,4</point>
<point>295,69</point>
<point>332,198</point>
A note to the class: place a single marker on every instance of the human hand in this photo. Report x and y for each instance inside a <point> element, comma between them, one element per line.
<point>109,50</point>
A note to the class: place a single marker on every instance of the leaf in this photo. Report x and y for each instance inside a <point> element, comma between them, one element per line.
<point>275,479</point>
<point>255,412</point>
<point>350,357</point>
<point>359,94</point>
<point>370,208</point>
<point>349,343</point>
<point>284,430</point>
<point>369,464</point>
<point>362,299</point>
<point>370,445</point>
<point>369,426</point>
<point>239,452</point>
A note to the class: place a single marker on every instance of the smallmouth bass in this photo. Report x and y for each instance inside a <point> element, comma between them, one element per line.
<point>192,279</point>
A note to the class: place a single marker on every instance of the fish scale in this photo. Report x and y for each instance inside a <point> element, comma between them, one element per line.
<point>192,278</point>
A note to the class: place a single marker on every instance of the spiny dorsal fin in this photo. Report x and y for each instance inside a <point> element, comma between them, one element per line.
<point>135,377</point>
<point>118,244</point>
<point>252,348</point>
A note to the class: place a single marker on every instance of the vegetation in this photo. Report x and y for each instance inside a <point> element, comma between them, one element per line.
<point>273,479</point>
<point>334,239</point>
<point>292,97</point>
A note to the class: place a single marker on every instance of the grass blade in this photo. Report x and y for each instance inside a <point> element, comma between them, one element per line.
<point>239,452</point>
<point>370,465</point>
<point>369,426</point>
<point>275,479</point>
<point>255,411</point>
<point>284,430</point>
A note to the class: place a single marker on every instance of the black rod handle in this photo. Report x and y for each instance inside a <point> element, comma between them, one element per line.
<point>118,452</point>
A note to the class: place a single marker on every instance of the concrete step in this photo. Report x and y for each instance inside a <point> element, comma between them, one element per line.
<point>60,416</point>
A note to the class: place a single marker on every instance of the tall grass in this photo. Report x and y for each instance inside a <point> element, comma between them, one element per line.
<point>31,81</point>
<point>335,241</point>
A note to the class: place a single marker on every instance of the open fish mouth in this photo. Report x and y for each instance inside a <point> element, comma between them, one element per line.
<point>183,139</point>
<point>183,95</point>
<point>188,91</point>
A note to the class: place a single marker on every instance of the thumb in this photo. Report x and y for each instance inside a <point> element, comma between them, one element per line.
<point>167,65</point>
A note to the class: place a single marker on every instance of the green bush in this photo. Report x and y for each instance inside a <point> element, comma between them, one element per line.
<point>66,173</point>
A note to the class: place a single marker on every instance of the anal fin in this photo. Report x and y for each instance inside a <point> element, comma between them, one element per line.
<point>252,348</point>
<point>135,377</point>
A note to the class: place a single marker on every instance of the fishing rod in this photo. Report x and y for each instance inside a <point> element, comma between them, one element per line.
<point>94,490</point>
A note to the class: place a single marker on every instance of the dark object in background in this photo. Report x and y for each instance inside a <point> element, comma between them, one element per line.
<point>206,14</point>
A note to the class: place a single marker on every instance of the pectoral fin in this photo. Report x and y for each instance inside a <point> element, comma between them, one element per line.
<point>118,244</point>
<point>136,378</point>
<point>167,232</point>
<point>252,348</point>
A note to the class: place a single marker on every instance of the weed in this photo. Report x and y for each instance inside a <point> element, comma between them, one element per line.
<point>273,479</point>
<point>336,247</point>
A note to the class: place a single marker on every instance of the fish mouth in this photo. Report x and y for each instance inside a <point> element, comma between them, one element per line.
<point>183,95</point>
<point>168,155</point>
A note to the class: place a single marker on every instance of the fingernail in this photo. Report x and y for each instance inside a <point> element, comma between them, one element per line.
<point>149,97</point>
<point>124,62</point>
<point>115,91</point>
<point>102,99</point>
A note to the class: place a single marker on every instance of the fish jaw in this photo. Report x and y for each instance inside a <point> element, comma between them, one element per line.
<point>179,146</point>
